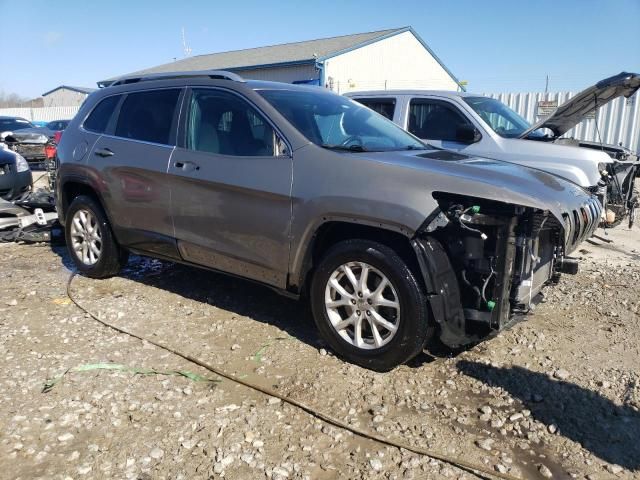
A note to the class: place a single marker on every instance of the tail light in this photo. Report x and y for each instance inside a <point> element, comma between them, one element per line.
<point>57,136</point>
<point>50,151</point>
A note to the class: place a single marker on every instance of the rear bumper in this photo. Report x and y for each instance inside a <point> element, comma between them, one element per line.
<point>12,185</point>
<point>32,152</point>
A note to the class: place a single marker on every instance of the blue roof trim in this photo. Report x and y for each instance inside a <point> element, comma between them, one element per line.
<point>391,34</point>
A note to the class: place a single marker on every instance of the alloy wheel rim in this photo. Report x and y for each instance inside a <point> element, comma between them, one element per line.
<point>86,237</point>
<point>362,305</point>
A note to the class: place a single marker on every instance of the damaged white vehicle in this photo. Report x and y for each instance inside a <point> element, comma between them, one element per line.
<point>477,125</point>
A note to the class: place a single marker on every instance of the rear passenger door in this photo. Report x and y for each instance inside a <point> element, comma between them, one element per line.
<point>437,121</point>
<point>131,160</point>
<point>231,181</point>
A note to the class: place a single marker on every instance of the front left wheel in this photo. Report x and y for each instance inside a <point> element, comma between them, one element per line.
<point>369,306</point>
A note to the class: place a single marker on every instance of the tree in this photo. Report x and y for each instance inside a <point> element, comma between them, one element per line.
<point>13,100</point>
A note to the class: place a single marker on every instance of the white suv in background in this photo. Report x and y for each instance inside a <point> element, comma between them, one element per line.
<point>477,125</point>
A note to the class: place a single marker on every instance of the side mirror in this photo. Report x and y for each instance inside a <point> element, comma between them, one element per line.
<point>468,134</point>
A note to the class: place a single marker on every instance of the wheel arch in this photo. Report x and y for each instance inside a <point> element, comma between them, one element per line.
<point>332,230</point>
<point>73,187</point>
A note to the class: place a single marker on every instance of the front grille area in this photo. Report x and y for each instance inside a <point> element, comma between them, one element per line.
<point>582,223</point>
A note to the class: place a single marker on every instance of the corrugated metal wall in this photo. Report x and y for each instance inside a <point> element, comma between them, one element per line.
<point>617,122</point>
<point>45,114</point>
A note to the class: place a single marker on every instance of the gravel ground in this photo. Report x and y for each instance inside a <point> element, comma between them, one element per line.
<point>555,396</point>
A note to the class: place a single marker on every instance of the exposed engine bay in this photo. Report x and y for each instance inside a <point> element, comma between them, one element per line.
<point>621,200</point>
<point>488,261</point>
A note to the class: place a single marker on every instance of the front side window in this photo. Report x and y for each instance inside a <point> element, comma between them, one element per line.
<point>222,123</point>
<point>384,106</point>
<point>336,122</point>
<point>148,116</point>
<point>434,120</point>
<point>99,118</point>
<point>502,120</point>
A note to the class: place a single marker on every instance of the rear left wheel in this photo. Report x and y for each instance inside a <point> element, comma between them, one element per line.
<point>90,240</point>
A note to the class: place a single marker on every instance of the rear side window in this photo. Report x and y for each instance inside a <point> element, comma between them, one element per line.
<point>99,118</point>
<point>222,123</point>
<point>148,116</point>
<point>384,106</point>
<point>434,120</point>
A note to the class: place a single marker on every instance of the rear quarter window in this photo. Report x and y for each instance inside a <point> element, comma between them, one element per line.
<point>98,119</point>
<point>148,116</point>
<point>384,106</point>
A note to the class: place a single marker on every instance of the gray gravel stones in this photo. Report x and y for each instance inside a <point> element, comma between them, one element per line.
<point>156,453</point>
<point>117,420</point>
<point>561,374</point>
<point>544,471</point>
<point>485,444</point>
<point>376,464</point>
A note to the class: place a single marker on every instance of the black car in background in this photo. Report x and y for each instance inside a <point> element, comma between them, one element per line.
<point>15,174</point>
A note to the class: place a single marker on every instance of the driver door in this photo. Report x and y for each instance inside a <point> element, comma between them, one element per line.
<point>231,183</point>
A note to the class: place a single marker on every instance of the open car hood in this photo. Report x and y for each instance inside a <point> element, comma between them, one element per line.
<point>570,113</point>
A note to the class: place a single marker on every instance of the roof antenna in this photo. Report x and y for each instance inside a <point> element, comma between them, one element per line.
<point>185,48</point>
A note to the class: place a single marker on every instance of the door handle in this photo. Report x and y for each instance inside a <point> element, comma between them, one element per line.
<point>187,166</point>
<point>104,152</point>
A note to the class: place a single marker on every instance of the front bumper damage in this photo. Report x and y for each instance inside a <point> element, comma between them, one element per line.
<point>484,264</point>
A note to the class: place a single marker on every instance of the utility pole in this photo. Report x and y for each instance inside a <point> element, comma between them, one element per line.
<point>546,85</point>
<point>185,48</point>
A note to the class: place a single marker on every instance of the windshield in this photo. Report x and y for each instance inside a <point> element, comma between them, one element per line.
<point>504,121</point>
<point>335,122</point>
<point>9,124</point>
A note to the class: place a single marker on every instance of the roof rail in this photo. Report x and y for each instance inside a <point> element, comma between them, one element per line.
<point>214,74</point>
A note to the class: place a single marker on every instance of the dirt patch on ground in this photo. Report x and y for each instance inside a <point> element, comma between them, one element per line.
<point>556,395</point>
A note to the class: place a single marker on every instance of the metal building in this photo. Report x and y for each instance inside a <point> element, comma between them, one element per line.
<point>395,58</point>
<point>66,96</point>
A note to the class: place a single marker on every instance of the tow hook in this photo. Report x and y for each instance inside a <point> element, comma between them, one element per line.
<point>568,265</point>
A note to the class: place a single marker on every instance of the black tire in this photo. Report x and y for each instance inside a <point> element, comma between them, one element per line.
<point>414,327</point>
<point>112,257</point>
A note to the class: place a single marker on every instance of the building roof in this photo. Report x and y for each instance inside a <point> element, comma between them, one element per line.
<point>85,90</point>
<point>306,52</point>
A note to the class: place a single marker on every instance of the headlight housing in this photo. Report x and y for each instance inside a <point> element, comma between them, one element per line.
<point>602,168</point>
<point>21,164</point>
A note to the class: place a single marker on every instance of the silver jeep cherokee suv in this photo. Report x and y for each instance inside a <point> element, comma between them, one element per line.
<point>395,243</point>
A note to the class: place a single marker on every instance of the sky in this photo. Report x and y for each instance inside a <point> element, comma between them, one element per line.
<point>495,46</point>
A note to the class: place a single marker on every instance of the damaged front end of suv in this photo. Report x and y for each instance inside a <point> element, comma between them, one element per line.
<point>486,262</point>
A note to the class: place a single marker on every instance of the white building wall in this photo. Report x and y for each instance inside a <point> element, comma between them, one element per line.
<point>397,62</point>
<point>280,74</point>
<point>64,98</point>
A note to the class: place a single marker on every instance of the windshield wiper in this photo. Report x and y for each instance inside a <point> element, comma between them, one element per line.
<point>350,148</point>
